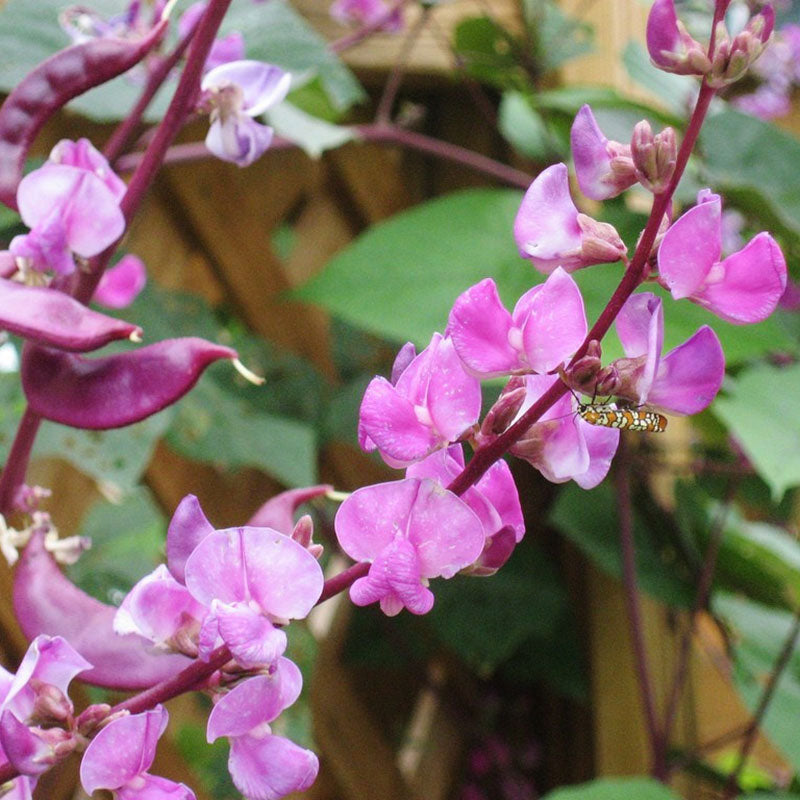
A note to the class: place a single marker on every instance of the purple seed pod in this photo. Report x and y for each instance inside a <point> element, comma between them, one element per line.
<point>46,601</point>
<point>54,319</point>
<point>117,390</point>
<point>50,86</point>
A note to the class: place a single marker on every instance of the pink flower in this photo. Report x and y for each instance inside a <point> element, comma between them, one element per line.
<point>550,232</point>
<point>263,766</point>
<point>546,327</point>
<point>604,168</point>
<point>120,285</point>
<point>36,713</point>
<point>431,403</point>
<point>250,579</point>
<point>493,498</point>
<point>237,92</point>
<point>117,759</point>
<point>685,380</point>
<point>84,155</point>
<point>560,444</point>
<point>367,12</point>
<point>670,46</point>
<point>744,287</point>
<point>69,210</point>
<point>411,530</point>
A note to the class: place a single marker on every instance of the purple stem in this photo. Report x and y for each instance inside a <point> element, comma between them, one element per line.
<point>700,602</point>
<point>486,456</point>
<point>732,784</point>
<point>338,583</point>
<point>380,134</point>
<point>122,134</point>
<point>182,103</point>
<point>632,607</point>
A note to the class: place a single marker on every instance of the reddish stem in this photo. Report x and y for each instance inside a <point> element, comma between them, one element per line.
<point>338,583</point>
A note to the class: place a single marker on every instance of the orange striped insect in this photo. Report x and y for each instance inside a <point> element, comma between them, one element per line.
<point>607,415</point>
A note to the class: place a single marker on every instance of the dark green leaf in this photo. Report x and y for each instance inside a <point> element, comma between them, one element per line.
<point>760,409</point>
<point>615,789</point>
<point>589,520</point>
<point>759,634</point>
<point>485,620</point>
<point>490,53</point>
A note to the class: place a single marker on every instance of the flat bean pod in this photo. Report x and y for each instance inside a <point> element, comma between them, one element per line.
<point>54,319</point>
<point>50,86</point>
<point>116,390</point>
<point>46,601</point>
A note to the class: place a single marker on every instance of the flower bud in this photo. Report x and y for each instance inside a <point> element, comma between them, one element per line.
<point>600,241</point>
<point>50,705</point>
<point>653,156</point>
<point>91,718</point>
<point>303,534</point>
<point>670,46</point>
<point>502,413</point>
<point>732,59</point>
<point>608,381</point>
<point>496,552</point>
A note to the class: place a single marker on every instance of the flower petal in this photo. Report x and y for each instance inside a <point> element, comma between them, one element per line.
<point>187,528</point>
<point>120,285</point>
<point>263,85</point>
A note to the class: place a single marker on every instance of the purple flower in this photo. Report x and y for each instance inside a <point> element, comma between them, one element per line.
<point>411,530</point>
<point>69,210</point>
<point>117,759</point>
<point>744,287</point>
<point>685,380</point>
<point>237,92</point>
<point>84,155</point>
<point>493,498</point>
<point>367,12</point>
<point>36,712</point>
<point>546,327</point>
<point>604,168</point>
<point>431,402</point>
<point>120,285</point>
<point>250,579</point>
<point>263,766</point>
<point>550,232</point>
<point>560,444</point>
<point>670,46</point>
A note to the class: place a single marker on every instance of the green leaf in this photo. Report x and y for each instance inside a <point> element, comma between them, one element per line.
<point>615,789</point>
<point>760,634</point>
<point>671,90</point>
<point>756,558</point>
<point>313,135</point>
<point>759,165</point>
<point>400,278</point>
<point>273,32</point>
<point>127,543</point>
<point>485,620</point>
<point>490,53</point>
<point>560,37</point>
<point>524,127</point>
<point>216,426</point>
<point>760,409</point>
<point>589,520</point>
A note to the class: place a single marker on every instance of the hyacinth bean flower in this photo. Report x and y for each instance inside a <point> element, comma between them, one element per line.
<point>603,168</point>
<point>670,46</point>
<point>121,284</point>
<point>493,498</point>
<point>117,759</point>
<point>431,403</point>
<point>685,380</point>
<point>367,12</point>
<point>36,723</point>
<point>225,48</point>
<point>69,210</point>
<point>236,92</point>
<point>560,444</point>
<point>263,766</point>
<point>546,327</point>
<point>745,287</point>
<point>42,592</point>
<point>84,155</point>
<point>411,530</point>
<point>550,232</point>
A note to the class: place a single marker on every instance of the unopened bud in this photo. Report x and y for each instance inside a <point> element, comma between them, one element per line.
<point>91,718</point>
<point>732,59</point>
<point>502,413</point>
<point>496,552</point>
<point>654,156</point>
<point>303,534</point>
<point>600,241</point>
<point>50,705</point>
<point>608,381</point>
